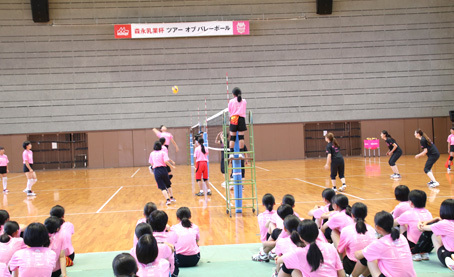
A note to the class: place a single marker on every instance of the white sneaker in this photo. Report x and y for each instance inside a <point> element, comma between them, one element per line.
<point>30,193</point>
<point>416,257</point>
<point>272,255</point>
<point>342,188</point>
<point>449,263</point>
<point>434,185</point>
<point>335,189</point>
<point>425,256</point>
<point>223,184</point>
<point>392,176</point>
<point>25,190</point>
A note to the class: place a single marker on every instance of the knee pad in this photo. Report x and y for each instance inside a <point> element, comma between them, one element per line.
<point>451,158</point>
<point>241,137</point>
<point>232,138</point>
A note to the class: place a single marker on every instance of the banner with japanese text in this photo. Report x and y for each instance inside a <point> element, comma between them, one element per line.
<point>185,29</point>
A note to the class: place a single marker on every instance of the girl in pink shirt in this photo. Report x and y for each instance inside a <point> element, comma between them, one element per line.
<point>124,265</point>
<point>284,243</point>
<point>4,169</point>
<point>443,233</point>
<point>147,255</point>
<point>264,218</point>
<point>312,258</point>
<point>339,219</point>
<point>10,242</point>
<point>401,193</point>
<point>27,158</point>
<point>237,111</point>
<point>147,210</point>
<point>58,244</point>
<point>38,260</point>
<point>450,148</point>
<point>318,211</point>
<point>162,133</point>
<point>187,248</point>
<point>390,255</point>
<point>201,168</point>
<point>159,160</point>
<point>356,237</point>
<point>67,228</point>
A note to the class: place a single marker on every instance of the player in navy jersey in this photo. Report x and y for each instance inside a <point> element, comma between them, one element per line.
<point>394,151</point>
<point>432,153</point>
<point>334,157</point>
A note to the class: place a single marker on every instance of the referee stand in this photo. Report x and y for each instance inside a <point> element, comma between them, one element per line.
<point>239,202</point>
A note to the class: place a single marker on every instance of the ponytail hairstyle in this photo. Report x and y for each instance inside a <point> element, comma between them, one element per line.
<point>385,221</point>
<point>328,194</point>
<point>124,265</point>
<point>291,223</point>
<point>342,202</point>
<point>162,140</point>
<point>4,217</point>
<point>53,224</point>
<point>308,231</point>
<point>9,229</point>
<point>332,139</point>
<point>422,134</point>
<point>157,146</point>
<point>268,201</point>
<point>184,214</point>
<point>201,141</point>
<point>143,229</point>
<point>384,132</point>
<point>147,249</point>
<point>237,93</point>
<point>148,209</point>
<point>359,211</point>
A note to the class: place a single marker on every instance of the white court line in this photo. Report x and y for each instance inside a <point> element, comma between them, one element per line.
<point>109,200</point>
<point>362,159</point>
<point>325,188</point>
<point>9,178</point>
<point>132,176</point>
<point>217,190</point>
<point>262,168</point>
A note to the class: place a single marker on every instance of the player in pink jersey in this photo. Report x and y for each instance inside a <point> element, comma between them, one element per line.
<point>165,149</point>
<point>162,133</point>
<point>4,217</point>
<point>201,167</point>
<point>265,217</point>
<point>27,158</point>
<point>159,160</point>
<point>356,237</point>
<point>237,112</point>
<point>318,211</point>
<point>4,169</point>
<point>38,260</point>
<point>409,221</point>
<point>67,228</point>
<point>443,233</point>
<point>58,243</point>
<point>124,265</point>
<point>313,258</point>
<point>339,219</point>
<point>450,148</point>
<point>147,210</point>
<point>401,193</point>
<point>10,242</point>
<point>284,243</point>
<point>187,248</point>
<point>389,255</point>
<point>147,256</point>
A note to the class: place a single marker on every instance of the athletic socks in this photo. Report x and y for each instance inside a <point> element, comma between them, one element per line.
<point>29,184</point>
<point>5,182</point>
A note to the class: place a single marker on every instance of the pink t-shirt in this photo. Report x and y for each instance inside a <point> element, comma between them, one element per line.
<point>411,218</point>
<point>237,108</point>
<point>284,244</point>
<point>165,150</point>
<point>68,229</point>
<point>4,272</point>
<point>27,155</point>
<point>339,220</point>
<point>4,160</point>
<point>9,248</point>
<point>297,259</point>
<point>263,218</point>
<point>169,237</point>
<point>33,262</point>
<point>164,252</point>
<point>451,139</point>
<point>198,154</point>
<point>168,136</point>
<point>158,159</point>
<point>158,268</point>
<point>278,221</point>
<point>187,239</point>
<point>445,229</point>
<point>320,211</point>
<point>401,208</point>
<point>350,241</point>
<point>58,242</point>
<point>394,257</point>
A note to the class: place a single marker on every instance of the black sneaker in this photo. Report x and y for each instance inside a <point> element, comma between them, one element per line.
<point>209,192</point>
<point>200,194</point>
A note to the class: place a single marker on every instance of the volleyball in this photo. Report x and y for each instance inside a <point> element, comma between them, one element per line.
<point>175,89</point>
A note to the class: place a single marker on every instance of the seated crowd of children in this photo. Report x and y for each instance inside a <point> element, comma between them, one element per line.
<point>41,250</point>
<point>337,241</point>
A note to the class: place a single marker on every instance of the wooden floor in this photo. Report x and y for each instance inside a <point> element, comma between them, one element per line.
<point>104,204</point>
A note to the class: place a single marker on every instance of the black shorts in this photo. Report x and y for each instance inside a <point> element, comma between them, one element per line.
<point>442,254</point>
<point>26,168</point>
<point>275,234</point>
<point>394,157</point>
<point>187,261</point>
<point>451,148</point>
<point>168,169</point>
<point>286,270</point>
<point>3,169</point>
<point>337,166</point>
<point>241,127</point>
<point>162,178</point>
<point>430,162</point>
<point>349,265</point>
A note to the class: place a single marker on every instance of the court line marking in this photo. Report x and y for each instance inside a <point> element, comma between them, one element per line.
<point>362,159</point>
<point>132,176</point>
<point>326,187</point>
<point>262,168</point>
<point>217,190</point>
<point>109,200</point>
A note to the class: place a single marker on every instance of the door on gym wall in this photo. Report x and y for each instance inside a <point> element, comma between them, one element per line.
<point>57,151</point>
<point>348,135</point>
